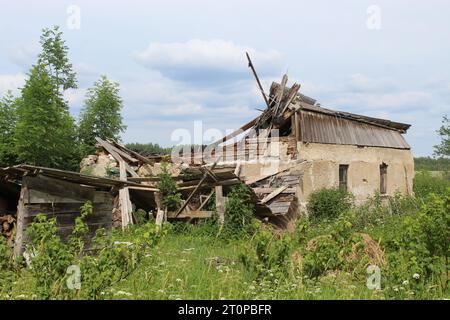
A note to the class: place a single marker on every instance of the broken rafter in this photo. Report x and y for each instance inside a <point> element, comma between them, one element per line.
<point>205,175</point>
<point>250,64</point>
<point>273,194</point>
<point>235,133</point>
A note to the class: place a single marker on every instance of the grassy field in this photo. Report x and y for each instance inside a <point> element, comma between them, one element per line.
<point>187,267</point>
<point>325,258</point>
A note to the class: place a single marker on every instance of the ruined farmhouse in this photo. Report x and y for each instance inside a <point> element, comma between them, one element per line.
<point>292,148</point>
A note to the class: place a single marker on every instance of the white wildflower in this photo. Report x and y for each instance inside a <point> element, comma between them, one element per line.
<point>416,276</point>
<point>122,293</point>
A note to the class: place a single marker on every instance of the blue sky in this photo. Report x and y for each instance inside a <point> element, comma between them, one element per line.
<point>178,62</point>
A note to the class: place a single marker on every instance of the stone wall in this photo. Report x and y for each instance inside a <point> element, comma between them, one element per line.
<point>321,169</point>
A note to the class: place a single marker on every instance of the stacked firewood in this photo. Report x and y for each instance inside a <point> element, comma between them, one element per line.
<point>7,223</point>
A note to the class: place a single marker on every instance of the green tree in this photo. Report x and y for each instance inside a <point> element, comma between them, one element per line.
<point>45,134</point>
<point>54,58</point>
<point>101,115</point>
<point>8,120</point>
<point>443,149</point>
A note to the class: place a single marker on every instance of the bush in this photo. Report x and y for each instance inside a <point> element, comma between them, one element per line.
<point>340,250</point>
<point>329,203</point>
<point>239,213</point>
<point>268,254</point>
<point>171,198</point>
<point>418,248</point>
<point>112,257</point>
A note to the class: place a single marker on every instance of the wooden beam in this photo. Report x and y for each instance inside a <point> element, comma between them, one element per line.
<point>205,175</point>
<point>144,188</point>
<point>190,214</point>
<point>235,133</point>
<point>113,150</point>
<point>206,200</point>
<point>273,194</point>
<point>220,204</point>
<point>250,64</point>
<point>270,190</point>
<point>249,182</point>
<point>134,153</point>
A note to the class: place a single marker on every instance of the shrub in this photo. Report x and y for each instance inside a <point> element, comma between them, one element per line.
<point>239,213</point>
<point>329,203</point>
<point>418,247</point>
<point>111,258</point>
<point>268,254</point>
<point>171,198</point>
<point>5,254</point>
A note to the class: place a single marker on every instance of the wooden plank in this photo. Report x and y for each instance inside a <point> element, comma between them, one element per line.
<point>124,197</point>
<point>113,150</point>
<point>134,153</point>
<point>20,224</point>
<point>220,204</point>
<point>190,214</point>
<point>269,190</point>
<point>273,194</point>
<point>196,188</point>
<point>159,218</point>
<point>64,208</point>
<point>249,182</point>
<point>144,188</point>
<point>59,188</point>
<point>235,133</point>
<point>206,201</point>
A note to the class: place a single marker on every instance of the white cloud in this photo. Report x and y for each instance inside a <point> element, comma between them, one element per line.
<point>24,55</point>
<point>202,60</point>
<point>11,82</point>
<point>406,100</point>
<point>361,82</point>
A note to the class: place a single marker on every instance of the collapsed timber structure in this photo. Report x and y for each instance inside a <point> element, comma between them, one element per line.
<point>294,147</point>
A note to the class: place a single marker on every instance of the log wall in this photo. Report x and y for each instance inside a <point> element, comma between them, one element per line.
<point>61,200</point>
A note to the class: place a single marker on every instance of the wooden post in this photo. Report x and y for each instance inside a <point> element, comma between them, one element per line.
<point>124,196</point>
<point>21,212</point>
<point>220,204</point>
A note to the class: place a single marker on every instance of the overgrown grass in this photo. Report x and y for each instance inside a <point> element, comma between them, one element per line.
<point>325,258</point>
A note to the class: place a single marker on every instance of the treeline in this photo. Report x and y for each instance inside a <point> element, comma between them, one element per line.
<point>148,148</point>
<point>432,164</point>
<point>36,126</point>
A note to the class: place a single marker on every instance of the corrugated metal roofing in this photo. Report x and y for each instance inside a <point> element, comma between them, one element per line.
<point>322,128</point>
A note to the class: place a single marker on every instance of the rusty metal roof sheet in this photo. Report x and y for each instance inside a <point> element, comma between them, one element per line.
<point>326,128</point>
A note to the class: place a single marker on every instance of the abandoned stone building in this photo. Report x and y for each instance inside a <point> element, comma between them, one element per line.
<point>294,147</point>
<point>326,148</point>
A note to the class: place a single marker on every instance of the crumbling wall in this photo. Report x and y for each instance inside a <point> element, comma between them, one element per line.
<point>321,169</point>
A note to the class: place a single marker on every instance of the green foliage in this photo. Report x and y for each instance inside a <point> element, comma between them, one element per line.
<point>431,164</point>
<point>239,214</point>
<point>50,256</point>
<point>418,248</point>
<point>45,133</point>
<point>329,203</point>
<point>8,120</point>
<point>443,149</point>
<point>268,254</point>
<point>339,250</point>
<point>141,216</point>
<point>171,198</point>
<point>425,184</point>
<point>101,116</point>
<point>113,257</point>
<point>148,148</point>
<point>54,59</point>
<point>5,254</point>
